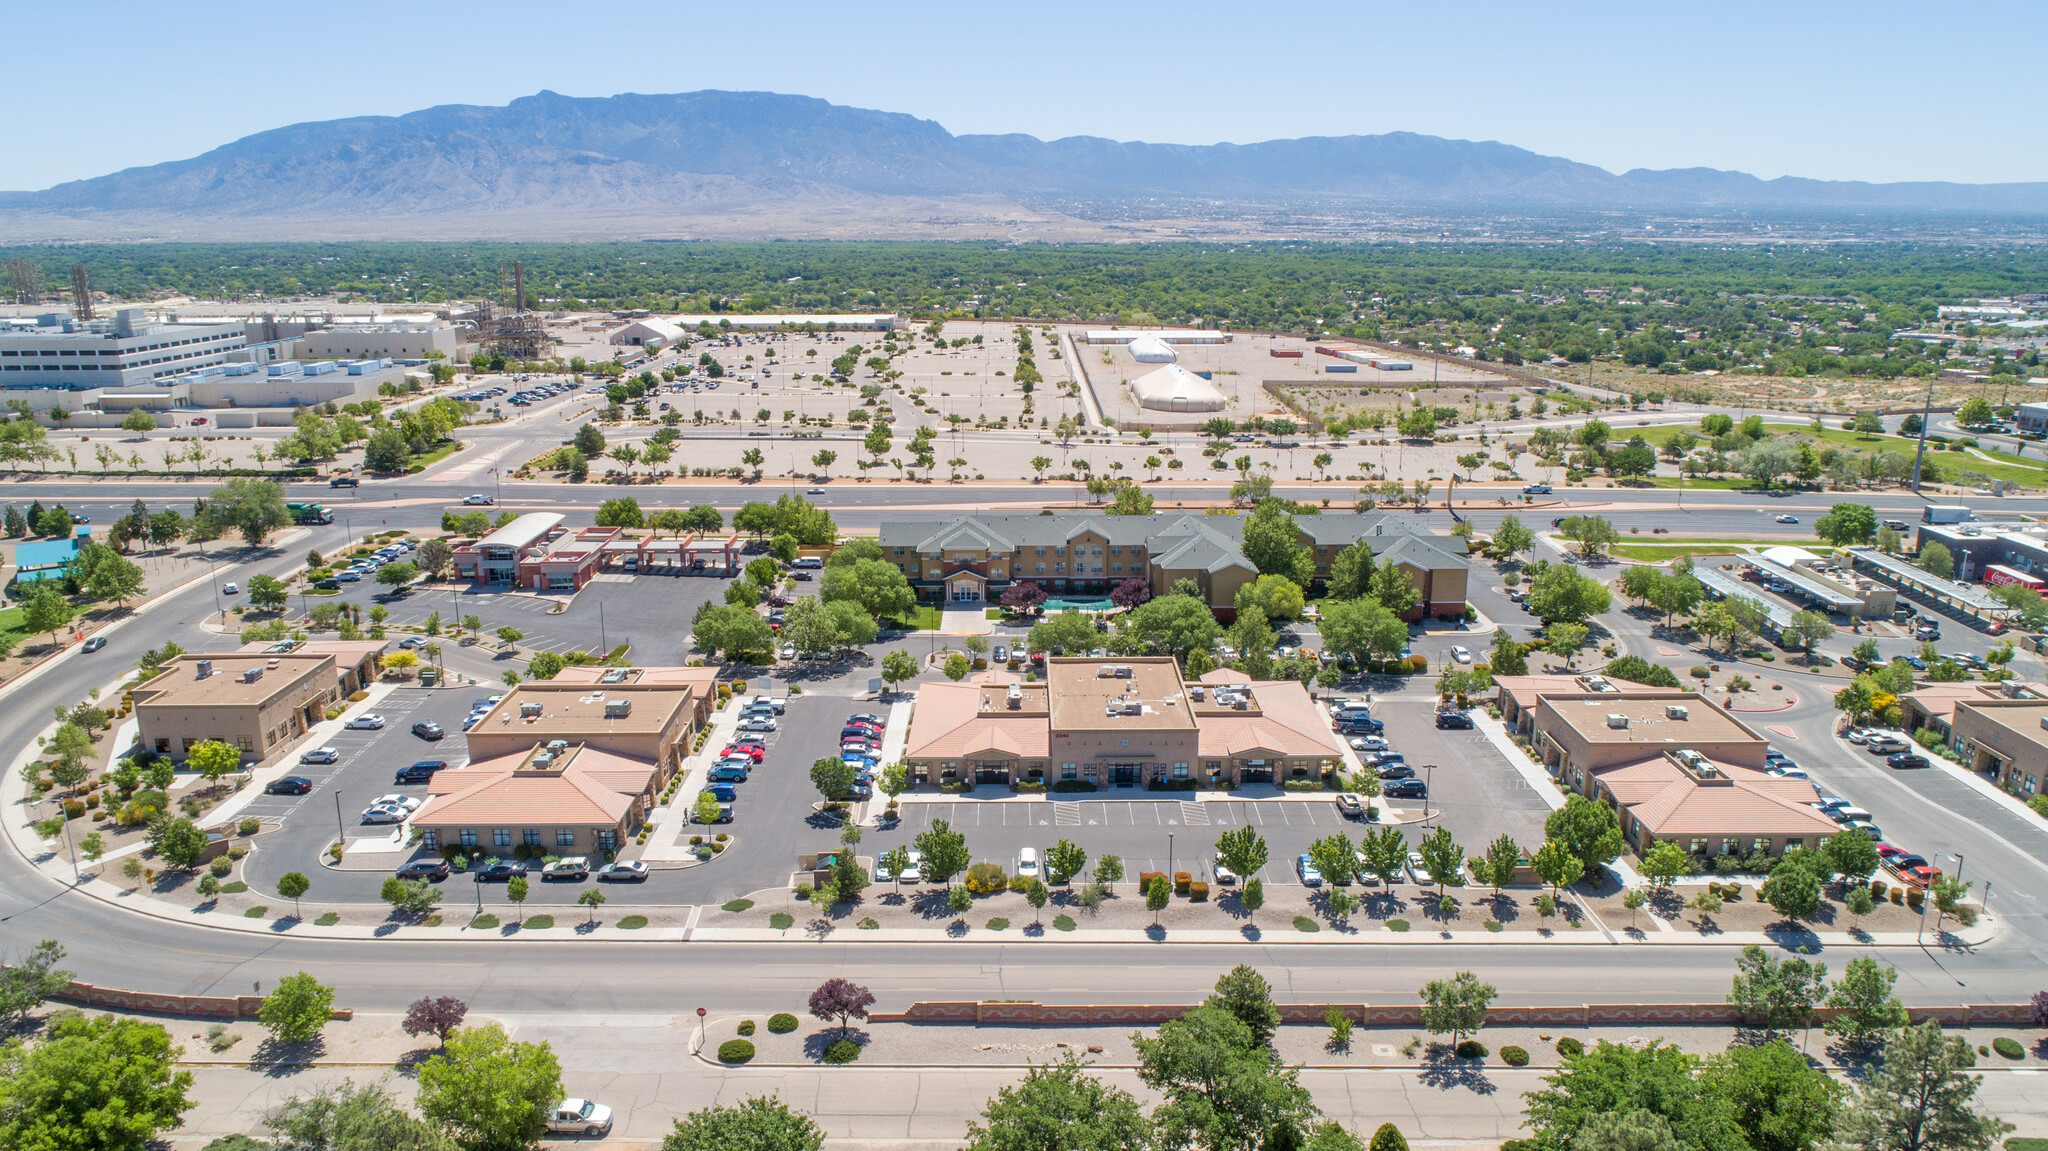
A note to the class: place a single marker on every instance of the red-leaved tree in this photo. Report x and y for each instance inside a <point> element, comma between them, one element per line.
<point>841,1000</point>
<point>436,1017</point>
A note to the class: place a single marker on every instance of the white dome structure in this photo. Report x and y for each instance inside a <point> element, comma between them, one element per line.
<point>1153,350</point>
<point>1175,389</point>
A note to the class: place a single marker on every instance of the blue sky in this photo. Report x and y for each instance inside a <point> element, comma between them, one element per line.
<point>1871,91</point>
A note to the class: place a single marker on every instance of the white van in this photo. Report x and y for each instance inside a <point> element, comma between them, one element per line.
<point>812,562</point>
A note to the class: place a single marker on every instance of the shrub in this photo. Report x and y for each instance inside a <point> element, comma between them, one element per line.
<point>735,1051</point>
<point>1181,879</point>
<point>1397,925</point>
<point>1567,1046</point>
<point>1304,923</point>
<point>220,867</point>
<point>1514,1056</point>
<point>842,1051</point>
<point>249,825</point>
<point>998,924</point>
<point>986,879</point>
<point>782,1023</point>
<point>632,923</point>
<point>1145,879</point>
<point>1914,898</point>
<point>746,1027</point>
<point>1698,672</point>
<point>2009,1047</point>
<point>1388,1138</point>
<point>782,921</point>
<point>1471,1049</point>
<point>736,905</point>
<point>1063,923</point>
<point>1198,891</point>
<point>1020,883</point>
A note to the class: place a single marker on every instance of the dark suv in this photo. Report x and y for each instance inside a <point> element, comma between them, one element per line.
<point>421,772</point>
<point>1457,719</point>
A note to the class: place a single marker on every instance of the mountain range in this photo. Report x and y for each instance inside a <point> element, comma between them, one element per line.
<point>549,166</point>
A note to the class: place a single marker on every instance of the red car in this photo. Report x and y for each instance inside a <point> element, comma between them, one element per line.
<point>1916,875</point>
<point>753,751</point>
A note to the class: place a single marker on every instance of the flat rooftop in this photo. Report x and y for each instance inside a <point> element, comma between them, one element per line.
<point>2022,717</point>
<point>556,708</point>
<point>182,685</point>
<point>1647,720</point>
<point>1131,692</point>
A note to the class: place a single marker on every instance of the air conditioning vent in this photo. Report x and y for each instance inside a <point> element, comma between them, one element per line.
<point>1675,711</point>
<point>529,710</point>
<point>618,708</point>
<point>205,668</point>
<point>1616,719</point>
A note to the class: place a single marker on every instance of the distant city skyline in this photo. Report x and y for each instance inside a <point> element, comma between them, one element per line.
<point>1875,91</point>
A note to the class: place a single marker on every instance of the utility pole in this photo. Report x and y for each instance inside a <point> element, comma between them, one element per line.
<point>1926,414</point>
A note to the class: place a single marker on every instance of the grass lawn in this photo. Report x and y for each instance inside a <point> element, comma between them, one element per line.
<point>433,455</point>
<point>925,618</point>
<point>1665,548</point>
<point>2017,469</point>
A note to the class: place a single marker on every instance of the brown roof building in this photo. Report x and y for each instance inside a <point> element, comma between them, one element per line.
<point>253,701</point>
<point>645,713</point>
<point>2006,738</point>
<point>557,798</point>
<point>1129,721</point>
<point>357,663</point>
<point>1675,766</point>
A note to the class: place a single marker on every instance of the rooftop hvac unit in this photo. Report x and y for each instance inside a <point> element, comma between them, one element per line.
<point>618,708</point>
<point>205,668</point>
<point>558,745</point>
<point>1195,691</point>
<point>1125,671</point>
<point>1105,671</point>
<point>272,664</point>
<point>1616,719</point>
<point>1015,696</point>
<point>529,710</point>
<point>1133,707</point>
<point>1675,711</point>
<point>1241,702</point>
<point>251,675</point>
<point>542,759</point>
<point>615,675</point>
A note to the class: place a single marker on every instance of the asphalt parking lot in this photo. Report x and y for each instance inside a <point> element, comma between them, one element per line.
<point>1473,791</point>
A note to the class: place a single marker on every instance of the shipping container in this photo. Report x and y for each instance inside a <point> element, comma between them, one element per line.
<point>1944,514</point>
<point>1324,351</point>
<point>2000,574</point>
<point>1278,354</point>
<point>1393,365</point>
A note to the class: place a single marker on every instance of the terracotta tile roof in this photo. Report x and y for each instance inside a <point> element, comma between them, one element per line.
<point>1286,723</point>
<point>594,787</point>
<point>1673,804</point>
<point>949,723</point>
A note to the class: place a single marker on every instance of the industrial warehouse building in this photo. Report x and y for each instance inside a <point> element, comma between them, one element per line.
<point>974,559</point>
<point>1126,722</point>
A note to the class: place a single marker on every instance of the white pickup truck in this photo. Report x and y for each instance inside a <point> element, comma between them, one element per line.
<point>776,704</point>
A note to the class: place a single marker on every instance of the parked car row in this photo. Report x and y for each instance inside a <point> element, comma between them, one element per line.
<point>860,746</point>
<point>1366,735</point>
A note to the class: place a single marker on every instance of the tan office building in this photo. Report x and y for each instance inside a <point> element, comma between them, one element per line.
<point>1674,766</point>
<point>634,712</point>
<point>253,701</point>
<point>2006,739</point>
<point>557,798</point>
<point>1122,722</point>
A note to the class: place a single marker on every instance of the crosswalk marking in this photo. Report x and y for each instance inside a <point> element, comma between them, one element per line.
<point>1194,814</point>
<point>1066,814</point>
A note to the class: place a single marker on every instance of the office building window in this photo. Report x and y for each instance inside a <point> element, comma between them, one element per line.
<point>607,839</point>
<point>565,837</point>
<point>1041,567</point>
<point>432,840</point>
<point>468,837</point>
<point>1068,771</point>
<point>501,837</point>
<point>1060,569</point>
<point>1180,771</point>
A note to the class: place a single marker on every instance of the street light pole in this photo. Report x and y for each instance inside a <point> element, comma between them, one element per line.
<point>340,833</point>
<point>1169,857</point>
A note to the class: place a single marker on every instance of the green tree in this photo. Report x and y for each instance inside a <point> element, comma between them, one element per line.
<point>93,1084</point>
<point>1853,853</point>
<point>1511,537</point>
<point>1276,597</point>
<point>32,978</point>
<point>1245,994</point>
<point>409,896</point>
<point>1386,852</point>
<point>1497,867</point>
<point>756,1123</point>
<point>46,611</point>
<point>898,667</point>
<point>1793,886</point>
<point>1441,857</point>
<point>1776,995</point>
<point>178,842</point>
<point>1057,1107</point>
<point>1589,830</point>
<point>254,508</point>
<point>1937,560</point>
<point>1867,1013</point>
<point>1780,1101</point>
<point>620,512</point>
<point>1175,624</point>
<point>1555,864</point>
<point>345,1117</point>
<point>1560,593</point>
<point>1847,524</point>
<point>1619,1078</point>
<point>296,1010</point>
<point>1920,1099</point>
<point>1809,629</point>
<point>1273,544</point>
<point>1242,850</point>
<point>1064,860</point>
<point>1666,861</point>
<point>488,1092</point>
<point>267,592</point>
<point>1335,857</point>
<point>879,588</point>
<point>1455,1006</point>
<point>945,852</point>
<point>1220,1087</point>
<point>292,885</point>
